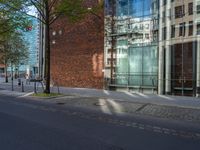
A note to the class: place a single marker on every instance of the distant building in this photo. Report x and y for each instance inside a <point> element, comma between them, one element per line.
<point>31,35</point>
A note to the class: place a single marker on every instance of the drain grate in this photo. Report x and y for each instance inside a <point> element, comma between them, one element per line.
<point>60,103</point>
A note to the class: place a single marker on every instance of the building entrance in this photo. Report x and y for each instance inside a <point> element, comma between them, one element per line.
<point>184,69</point>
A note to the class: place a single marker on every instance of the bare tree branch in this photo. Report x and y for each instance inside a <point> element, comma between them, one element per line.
<point>40,10</point>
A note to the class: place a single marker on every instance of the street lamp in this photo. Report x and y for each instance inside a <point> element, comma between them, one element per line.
<point>12,76</point>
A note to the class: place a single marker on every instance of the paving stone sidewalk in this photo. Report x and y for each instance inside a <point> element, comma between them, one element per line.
<point>111,106</point>
<point>177,108</point>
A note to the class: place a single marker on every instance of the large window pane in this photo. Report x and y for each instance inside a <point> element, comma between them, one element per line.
<point>135,63</point>
<point>122,62</point>
<point>149,66</point>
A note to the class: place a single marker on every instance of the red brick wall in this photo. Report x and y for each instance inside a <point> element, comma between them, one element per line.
<point>77,55</point>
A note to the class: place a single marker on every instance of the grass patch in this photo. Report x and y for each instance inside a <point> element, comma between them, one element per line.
<point>47,95</point>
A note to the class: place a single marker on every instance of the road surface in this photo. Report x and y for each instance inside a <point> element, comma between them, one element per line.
<point>26,124</point>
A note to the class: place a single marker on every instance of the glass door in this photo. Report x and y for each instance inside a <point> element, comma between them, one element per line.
<point>183,69</point>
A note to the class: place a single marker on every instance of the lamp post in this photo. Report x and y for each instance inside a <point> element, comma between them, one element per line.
<point>12,76</point>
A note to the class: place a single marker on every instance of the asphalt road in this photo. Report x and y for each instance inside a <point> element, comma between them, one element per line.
<point>31,125</point>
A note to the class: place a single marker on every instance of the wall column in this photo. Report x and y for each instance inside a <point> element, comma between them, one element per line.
<point>196,20</point>
<point>168,50</point>
<point>198,66</point>
<point>161,53</point>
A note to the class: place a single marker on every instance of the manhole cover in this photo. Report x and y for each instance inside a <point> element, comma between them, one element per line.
<point>100,103</point>
<point>60,103</point>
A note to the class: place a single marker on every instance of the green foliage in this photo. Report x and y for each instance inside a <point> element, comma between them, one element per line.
<point>15,49</point>
<point>19,49</point>
<point>46,95</point>
<point>12,16</point>
<point>74,10</point>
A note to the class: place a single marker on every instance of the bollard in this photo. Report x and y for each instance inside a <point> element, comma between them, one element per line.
<point>22,86</point>
<point>12,84</point>
<point>19,82</point>
<point>35,91</point>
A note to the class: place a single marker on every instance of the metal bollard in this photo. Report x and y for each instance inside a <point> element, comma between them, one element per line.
<point>19,82</point>
<point>35,91</point>
<point>12,84</point>
<point>22,86</point>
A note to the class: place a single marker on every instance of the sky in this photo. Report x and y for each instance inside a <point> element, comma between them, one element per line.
<point>32,11</point>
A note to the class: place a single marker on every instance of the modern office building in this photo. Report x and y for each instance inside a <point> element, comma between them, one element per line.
<point>31,36</point>
<point>153,46</point>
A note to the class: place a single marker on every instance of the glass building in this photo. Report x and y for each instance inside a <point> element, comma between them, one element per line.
<point>32,37</point>
<point>153,46</point>
<point>136,42</point>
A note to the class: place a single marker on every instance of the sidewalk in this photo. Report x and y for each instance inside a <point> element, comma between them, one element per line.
<point>178,101</point>
<point>171,107</point>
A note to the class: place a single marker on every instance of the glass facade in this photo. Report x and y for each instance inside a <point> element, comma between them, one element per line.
<point>31,36</point>
<point>136,32</point>
<point>157,44</point>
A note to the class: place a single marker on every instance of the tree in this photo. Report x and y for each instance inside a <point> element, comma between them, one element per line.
<point>10,39</point>
<point>49,11</point>
<point>11,19</point>
<point>14,50</point>
<point>110,23</point>
<point>18,48</point>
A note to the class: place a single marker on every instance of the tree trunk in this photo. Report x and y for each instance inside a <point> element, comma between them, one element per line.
<point>6,74</point>
<point>6,71</point>
<point>112,42</point>
<point>47,50</point>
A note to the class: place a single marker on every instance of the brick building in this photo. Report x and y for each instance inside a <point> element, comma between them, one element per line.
<point>77,51</point>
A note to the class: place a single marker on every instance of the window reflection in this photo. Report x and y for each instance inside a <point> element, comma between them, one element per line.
<point>137,41</point>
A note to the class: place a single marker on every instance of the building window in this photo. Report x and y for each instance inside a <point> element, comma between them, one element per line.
<point>164,33</point>
<point>190,8</point>
<point>164,2</point>
<point>173,30</point>
<point>164,16</point>
<point>179,11</point>
<point>198,9</point>
<point>190,33</point>
<point>147,36</point>
<point>155,36</point>
<point>170,14</point>
<point>198,28</point>
<point>182,29</point>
